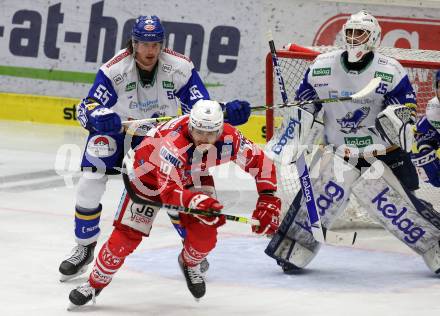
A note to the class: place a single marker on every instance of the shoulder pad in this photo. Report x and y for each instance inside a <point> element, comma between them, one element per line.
<point>116,59</point>
<point>171,52</point>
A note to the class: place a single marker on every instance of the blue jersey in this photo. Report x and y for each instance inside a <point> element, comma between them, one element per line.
<point>117,86</point>
<point>428,127</point>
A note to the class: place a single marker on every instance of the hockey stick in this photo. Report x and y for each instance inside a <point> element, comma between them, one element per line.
<point>370,87</point>
<point>319,233</point>
<point>136,198</point>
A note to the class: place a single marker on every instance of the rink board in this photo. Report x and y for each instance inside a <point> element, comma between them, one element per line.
<point>59,110</point>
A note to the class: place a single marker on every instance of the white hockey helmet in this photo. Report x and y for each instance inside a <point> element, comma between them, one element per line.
<point>359,43</point>
<point>206,116</point>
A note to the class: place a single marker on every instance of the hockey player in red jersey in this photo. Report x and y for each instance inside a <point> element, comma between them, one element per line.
<point>171,166</point>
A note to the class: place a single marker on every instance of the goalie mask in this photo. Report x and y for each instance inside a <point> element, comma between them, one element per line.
<point>361,34</point>
<point>205,122</point>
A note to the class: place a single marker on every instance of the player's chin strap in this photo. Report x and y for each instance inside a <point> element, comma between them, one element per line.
<point>128,174</point>
<point>320,234</point>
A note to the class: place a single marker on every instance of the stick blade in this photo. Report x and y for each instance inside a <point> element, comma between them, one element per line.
<point>370,87</point>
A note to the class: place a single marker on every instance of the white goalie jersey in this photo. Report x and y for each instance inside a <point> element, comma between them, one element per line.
<point>346,122</point>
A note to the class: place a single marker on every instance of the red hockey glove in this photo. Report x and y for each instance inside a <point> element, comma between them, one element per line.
<point>206,203</point>
<point>268,213</point>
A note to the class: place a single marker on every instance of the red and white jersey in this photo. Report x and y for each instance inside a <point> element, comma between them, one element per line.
<point>167,162</point>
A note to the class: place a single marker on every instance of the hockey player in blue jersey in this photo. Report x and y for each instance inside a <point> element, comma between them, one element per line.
<point>144,80</point>
<point>367,154</point>
<point>428,140</point>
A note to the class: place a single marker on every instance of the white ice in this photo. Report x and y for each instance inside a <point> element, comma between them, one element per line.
<point>380,276</point>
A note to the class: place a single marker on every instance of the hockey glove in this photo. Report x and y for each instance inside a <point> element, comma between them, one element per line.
<point>268,213</point>
<point>237,112</point>
<point>104,120</point>
<point>428,165</point>
<point>208,204</point>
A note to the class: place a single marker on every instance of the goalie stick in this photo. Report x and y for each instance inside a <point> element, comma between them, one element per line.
<point>320,234</point>
<point>136,198</point>
<point>370,87</point>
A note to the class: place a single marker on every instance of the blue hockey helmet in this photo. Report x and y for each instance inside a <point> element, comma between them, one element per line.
<point>437,78</point>
<point>148,29</point>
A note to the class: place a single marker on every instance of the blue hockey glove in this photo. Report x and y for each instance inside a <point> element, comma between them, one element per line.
<point>237,112</point>
<point>104,120</point>
<point>428,161</point>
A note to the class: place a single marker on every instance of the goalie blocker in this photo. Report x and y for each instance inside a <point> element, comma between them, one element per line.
<point>293,246</point>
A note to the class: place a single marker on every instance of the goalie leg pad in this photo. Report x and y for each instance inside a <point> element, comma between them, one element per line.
<point>400,163</point>
<point>294,243</point>
<point>413,222</point>
<point>283,246</point>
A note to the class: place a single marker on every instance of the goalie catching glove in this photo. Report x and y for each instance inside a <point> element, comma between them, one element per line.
<point>268,213</point>
<point>208,204</point>
<point>395,124</point>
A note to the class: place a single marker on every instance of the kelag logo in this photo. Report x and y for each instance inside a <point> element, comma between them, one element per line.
<point>396,32</point>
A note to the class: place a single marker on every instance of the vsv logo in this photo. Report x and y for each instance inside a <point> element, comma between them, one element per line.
<point>289,133</point>
<point>351,122</point>
<point>390,212</point>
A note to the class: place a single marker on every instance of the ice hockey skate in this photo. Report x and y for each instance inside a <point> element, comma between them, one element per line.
<point>82,295</point>
<point>194,279</point>
<point>77,263</point>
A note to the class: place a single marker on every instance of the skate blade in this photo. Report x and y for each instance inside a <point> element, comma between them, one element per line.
<point>85,307</point>
<point>73,307</point>
<point>64,278</point>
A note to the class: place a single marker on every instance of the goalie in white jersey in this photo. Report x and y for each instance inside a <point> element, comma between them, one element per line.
<point>144,80</point>
<point>375,128</point>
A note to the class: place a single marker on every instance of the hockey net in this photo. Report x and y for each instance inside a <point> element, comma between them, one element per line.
<point>420,65</point>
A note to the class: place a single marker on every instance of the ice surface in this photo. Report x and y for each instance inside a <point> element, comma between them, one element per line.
<point>379,277</point>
